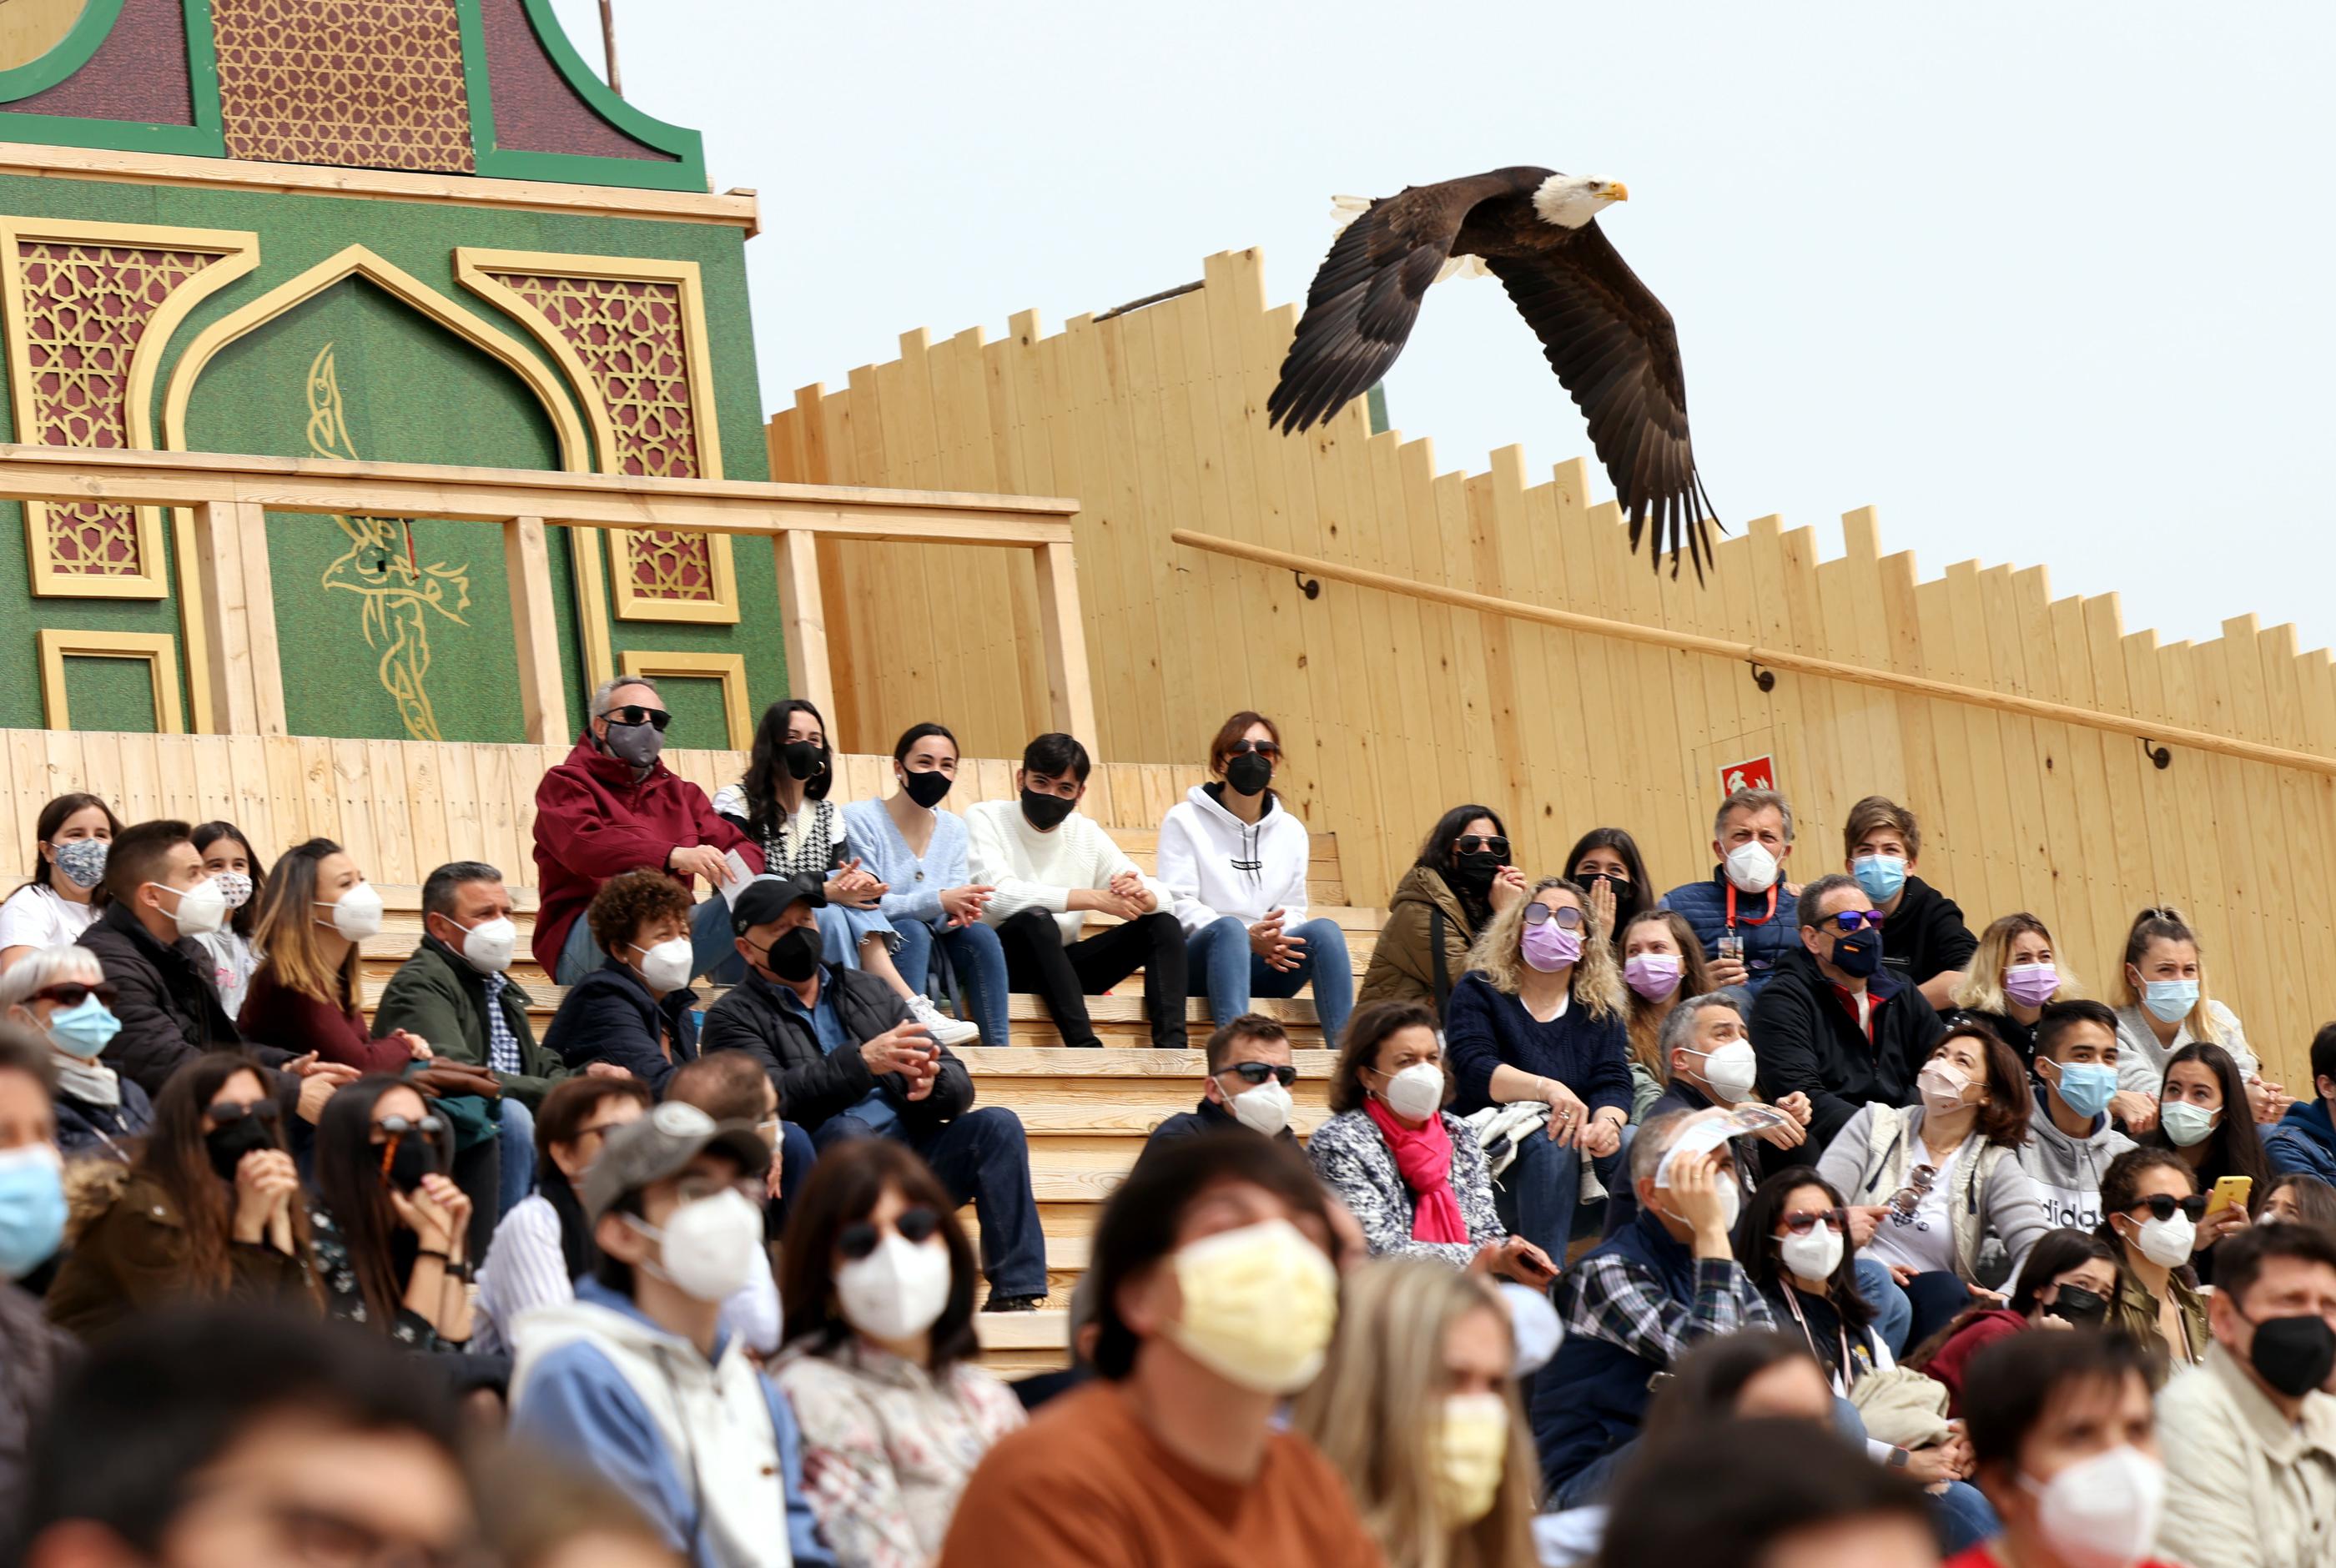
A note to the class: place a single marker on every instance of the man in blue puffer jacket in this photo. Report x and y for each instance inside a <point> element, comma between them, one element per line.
<point>1747,899</point>
<point>2305,1138</point>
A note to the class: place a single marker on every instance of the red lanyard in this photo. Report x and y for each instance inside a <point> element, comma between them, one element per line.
<point>1764,919</point>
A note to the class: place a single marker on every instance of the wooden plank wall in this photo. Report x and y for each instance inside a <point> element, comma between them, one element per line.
<point>1393,709</point>
<point>405,807</point>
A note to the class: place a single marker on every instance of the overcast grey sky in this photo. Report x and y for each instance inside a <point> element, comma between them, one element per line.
<point>2045,284</point>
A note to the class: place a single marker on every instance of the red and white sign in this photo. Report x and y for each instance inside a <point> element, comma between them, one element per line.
<point>1752,773</point>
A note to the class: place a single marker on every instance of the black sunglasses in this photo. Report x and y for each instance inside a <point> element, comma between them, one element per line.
<point>1472,842</point>
<point>2161,1206</point>
<point>1851,920</point>
<point>228,1112</point>
<point>71,994</point>
<point>1801,1222</point>
<point>634,714</point>
<point>859,1239</point>
<point>1568,918</point>
<point>1257,1072</point>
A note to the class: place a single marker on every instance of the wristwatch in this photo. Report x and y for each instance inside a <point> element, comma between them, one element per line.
<point>1899,1458</point>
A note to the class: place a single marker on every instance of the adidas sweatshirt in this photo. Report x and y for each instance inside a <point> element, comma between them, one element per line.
<point>1035,870</point>
<point>1218,865</point>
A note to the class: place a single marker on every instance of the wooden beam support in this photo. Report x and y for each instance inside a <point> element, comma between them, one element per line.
<point>1761,658</point>
<point>1068,693</point>
<point>802,608</point>
<point>535,628</point>
<point>243,670</point>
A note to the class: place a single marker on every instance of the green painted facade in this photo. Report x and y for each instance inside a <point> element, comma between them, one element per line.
<point>411,391</point>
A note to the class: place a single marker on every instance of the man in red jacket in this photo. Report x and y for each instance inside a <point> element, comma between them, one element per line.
<point>612,807</point>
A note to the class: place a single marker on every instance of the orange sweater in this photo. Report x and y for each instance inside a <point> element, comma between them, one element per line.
<point>1085,1484</point>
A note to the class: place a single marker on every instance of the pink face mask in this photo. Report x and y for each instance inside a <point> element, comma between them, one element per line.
<point>1549,945</point>
<point>2031,984</point>
<point>1653,975</point>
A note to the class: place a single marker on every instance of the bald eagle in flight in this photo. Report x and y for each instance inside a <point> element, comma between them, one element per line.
<point>1605,334</point>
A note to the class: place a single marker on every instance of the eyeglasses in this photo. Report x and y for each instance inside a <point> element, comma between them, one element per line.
<point>2161,1206</point>
<point>1257,1072</point>
<point>859,1239</point>
<point>1850,920</point>
<point>1908,1198</point>
<point>1267,750</point>
<point>68,994</point>
<point>1568,918</point>
<point>228,1112</point>
<point>634,714</point>
<point>1476,843</point>
<point>1801,1222</point>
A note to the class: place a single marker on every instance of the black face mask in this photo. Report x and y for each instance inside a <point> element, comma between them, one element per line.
<point>1620,886</point>
<point>227,1145</point>
<point>416,1156</point>
<point>1045,812</point>
<point>1858,954</point>
<point>1249,773</point>
<point>926,788</point>
<point>794,956</point>
<point>804,759</point>
<point>2075,1304</point>
<point>1475,871</point>
<point>2294,1355</point>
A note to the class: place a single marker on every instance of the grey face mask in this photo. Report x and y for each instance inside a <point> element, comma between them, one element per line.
<point>637,744</point>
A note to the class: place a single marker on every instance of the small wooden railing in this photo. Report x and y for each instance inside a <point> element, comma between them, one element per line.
<point>230,616</point>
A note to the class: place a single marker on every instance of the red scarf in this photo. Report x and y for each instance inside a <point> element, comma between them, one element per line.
<point>1424,1159</point>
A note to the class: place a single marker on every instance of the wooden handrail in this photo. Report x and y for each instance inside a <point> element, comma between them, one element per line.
<point>227,605</point>
<point>1765,658</point>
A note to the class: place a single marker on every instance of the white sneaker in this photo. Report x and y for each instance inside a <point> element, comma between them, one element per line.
<point>946,1031</point>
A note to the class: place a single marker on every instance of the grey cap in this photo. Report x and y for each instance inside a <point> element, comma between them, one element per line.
<point>662,1144</point>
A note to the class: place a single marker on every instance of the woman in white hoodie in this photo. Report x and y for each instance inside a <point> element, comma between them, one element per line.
<point>1236,860</point>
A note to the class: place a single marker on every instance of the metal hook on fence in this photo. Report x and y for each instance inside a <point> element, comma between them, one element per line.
<point>2158,756</point>
<point>1764,679</point>
<point>1306,586</point>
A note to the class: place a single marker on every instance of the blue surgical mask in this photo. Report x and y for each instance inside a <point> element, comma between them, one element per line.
<point>84,1031</point>
<point>2086,1087</point>
<point>2170,1000</point>
<point>32,1208</point>
<point>1881,875</point>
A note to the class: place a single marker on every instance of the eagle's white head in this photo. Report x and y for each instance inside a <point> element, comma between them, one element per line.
<point>1570,201</point>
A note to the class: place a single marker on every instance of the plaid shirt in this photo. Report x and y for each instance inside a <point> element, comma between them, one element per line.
<point>502,1046</point>
<point>1611,1298</point>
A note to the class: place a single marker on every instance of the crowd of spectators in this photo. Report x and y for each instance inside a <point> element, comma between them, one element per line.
<point>1761,1221</point>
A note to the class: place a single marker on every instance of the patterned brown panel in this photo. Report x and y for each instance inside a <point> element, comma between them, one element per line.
<point>629,333</point>
<point>85,308</point>
<point>359,84</point>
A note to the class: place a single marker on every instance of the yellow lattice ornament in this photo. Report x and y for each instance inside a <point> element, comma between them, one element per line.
<point>378,85</point>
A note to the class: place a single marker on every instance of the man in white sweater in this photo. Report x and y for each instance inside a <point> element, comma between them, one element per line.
<point>1050,865</point>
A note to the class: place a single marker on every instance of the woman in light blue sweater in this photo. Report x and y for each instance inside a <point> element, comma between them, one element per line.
<point>920,854</point>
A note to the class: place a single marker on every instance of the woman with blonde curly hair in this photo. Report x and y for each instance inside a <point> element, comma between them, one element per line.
<point>2015,970</point>
<point>1539,1018</point>
<point>1417,1408</point>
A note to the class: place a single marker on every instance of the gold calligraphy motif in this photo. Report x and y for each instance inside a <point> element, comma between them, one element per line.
<point>398,593</point>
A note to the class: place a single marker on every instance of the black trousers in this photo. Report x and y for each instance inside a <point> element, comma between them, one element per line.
<point>1065,975</point>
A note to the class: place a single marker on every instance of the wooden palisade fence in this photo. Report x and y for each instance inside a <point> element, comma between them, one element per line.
<point>1394,708</point>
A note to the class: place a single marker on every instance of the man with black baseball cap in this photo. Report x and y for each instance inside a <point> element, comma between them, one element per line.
<point>634,1378</point>
<point>849,1062</point>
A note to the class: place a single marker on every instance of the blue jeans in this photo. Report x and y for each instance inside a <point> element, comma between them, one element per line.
<point>1895,1314</point>
<point>1588,1485</point>
<point>711,948</point>
<point>1961,1514</point>
<point>979,961</point>
<point>1538,1197</point>
<point>515,1130</point>
<point>1220,956</point>
<point>983,1158</point>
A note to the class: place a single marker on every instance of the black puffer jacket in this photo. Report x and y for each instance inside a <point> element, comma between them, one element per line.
<point>1808,1042</point>
<point>813,1085</point>
<point>169,1007</point>
<point>610,1016</point>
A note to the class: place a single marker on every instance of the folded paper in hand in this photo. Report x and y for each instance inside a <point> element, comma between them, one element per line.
<point>1701,1136</point>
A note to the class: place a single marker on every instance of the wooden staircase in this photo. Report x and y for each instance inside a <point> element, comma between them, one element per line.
<point>1086,1112</point>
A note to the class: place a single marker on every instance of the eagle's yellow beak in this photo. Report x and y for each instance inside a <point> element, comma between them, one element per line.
<point>1616,191</point>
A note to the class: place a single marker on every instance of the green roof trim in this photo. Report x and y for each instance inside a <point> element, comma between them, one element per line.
<point>687,148</point>
<point>203,139</point>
